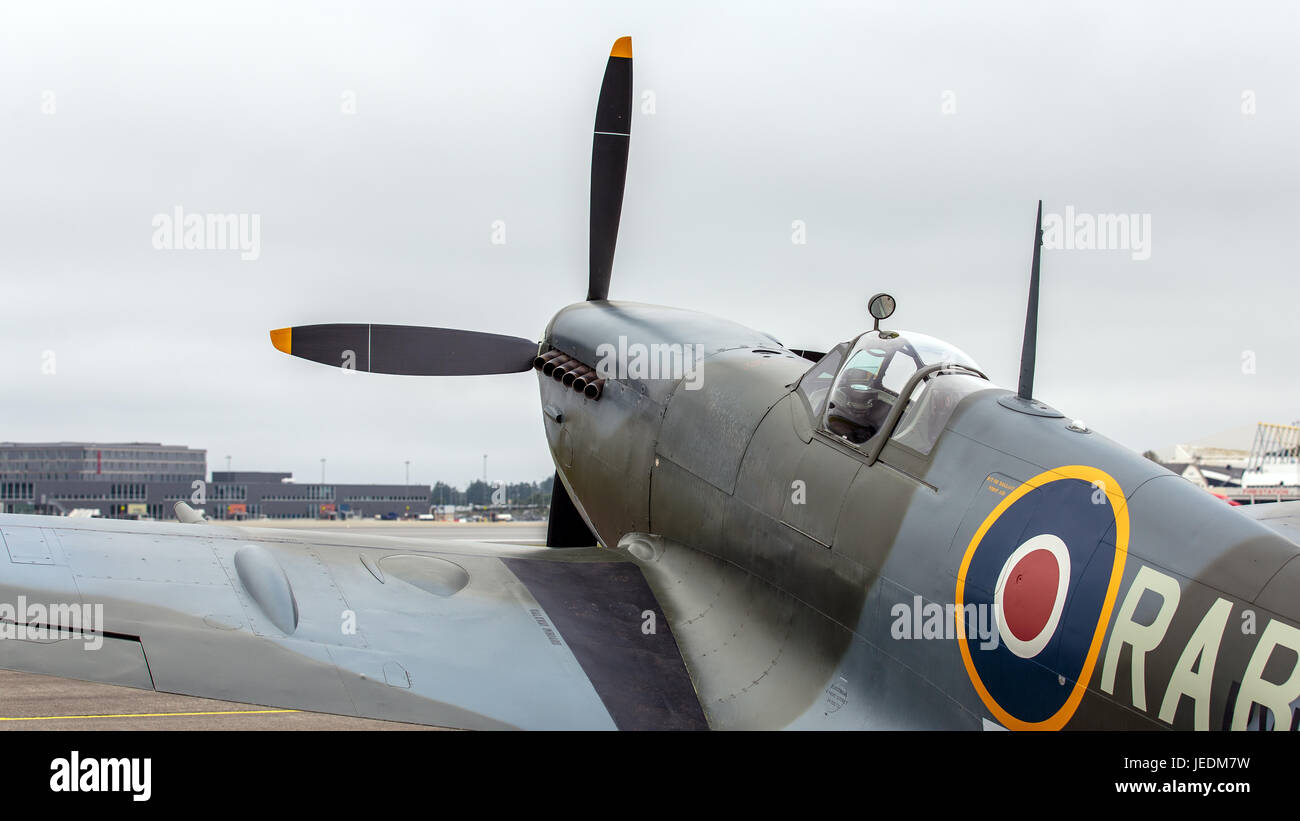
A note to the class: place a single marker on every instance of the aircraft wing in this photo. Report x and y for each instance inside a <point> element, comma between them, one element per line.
<point>1284,517</point>
<point>455,634</point>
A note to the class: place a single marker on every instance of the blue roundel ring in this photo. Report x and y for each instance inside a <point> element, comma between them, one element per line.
<point>1047,564</point>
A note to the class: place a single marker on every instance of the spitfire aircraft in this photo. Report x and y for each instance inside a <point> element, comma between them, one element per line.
<point>743,535</point>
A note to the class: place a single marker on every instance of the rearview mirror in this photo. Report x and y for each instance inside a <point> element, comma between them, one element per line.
<point>881,307</point>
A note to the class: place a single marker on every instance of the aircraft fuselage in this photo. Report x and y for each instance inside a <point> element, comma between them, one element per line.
<point>1020,573</point>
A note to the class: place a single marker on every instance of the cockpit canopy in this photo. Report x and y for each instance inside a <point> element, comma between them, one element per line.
<point>854,389</point>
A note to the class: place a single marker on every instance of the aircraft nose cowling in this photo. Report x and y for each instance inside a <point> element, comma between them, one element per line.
<point>1282,593</point>
<point>1183,529</point>
<point>604,334</point>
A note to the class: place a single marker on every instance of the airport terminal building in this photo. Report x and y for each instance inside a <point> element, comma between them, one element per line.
<point>254,494</point>
<point>145,479</point>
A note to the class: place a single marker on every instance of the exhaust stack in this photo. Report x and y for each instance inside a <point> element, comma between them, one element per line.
<point>544,358</point>
<point>549,367</point>
<point>570,377</point>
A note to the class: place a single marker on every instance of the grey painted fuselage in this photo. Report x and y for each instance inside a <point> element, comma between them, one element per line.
<point>794,570</point>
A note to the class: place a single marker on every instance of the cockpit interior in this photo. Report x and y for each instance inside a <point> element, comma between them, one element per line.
<point>853,390</point>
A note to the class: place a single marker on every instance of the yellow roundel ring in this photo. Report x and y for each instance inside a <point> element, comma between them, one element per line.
<point>1102,481</point>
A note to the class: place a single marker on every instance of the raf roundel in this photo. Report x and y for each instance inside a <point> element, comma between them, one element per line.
<point>1047,562</point>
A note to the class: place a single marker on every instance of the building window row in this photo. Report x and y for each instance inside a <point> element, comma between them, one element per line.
<point>16,490</point>
<point>386,498</point>
<point>320,493</point>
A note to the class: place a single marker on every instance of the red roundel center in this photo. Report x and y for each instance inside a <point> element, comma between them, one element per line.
<point>1030,594</point>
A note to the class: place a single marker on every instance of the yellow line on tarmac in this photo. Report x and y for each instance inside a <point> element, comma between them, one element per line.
<point>148,715</point>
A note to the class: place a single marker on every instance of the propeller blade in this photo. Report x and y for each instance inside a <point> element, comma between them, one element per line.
<point>409,350</point>
<point>609,164</point>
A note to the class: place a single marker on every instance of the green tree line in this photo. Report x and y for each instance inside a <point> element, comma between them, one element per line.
<point>478,492</point>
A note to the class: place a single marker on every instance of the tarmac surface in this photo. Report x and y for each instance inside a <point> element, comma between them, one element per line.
<point>29,701</point>
<point>36,702</point>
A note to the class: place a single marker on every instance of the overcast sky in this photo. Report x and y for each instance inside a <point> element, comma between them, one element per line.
<point>912,140</point>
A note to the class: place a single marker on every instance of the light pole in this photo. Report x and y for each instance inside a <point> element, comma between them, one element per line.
<point>408,472</point>
<point>322,471</point>
<point>227,464</point>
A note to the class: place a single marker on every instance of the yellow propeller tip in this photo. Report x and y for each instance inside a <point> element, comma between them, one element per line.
<point>622,48</point>
<point>282,339</point>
